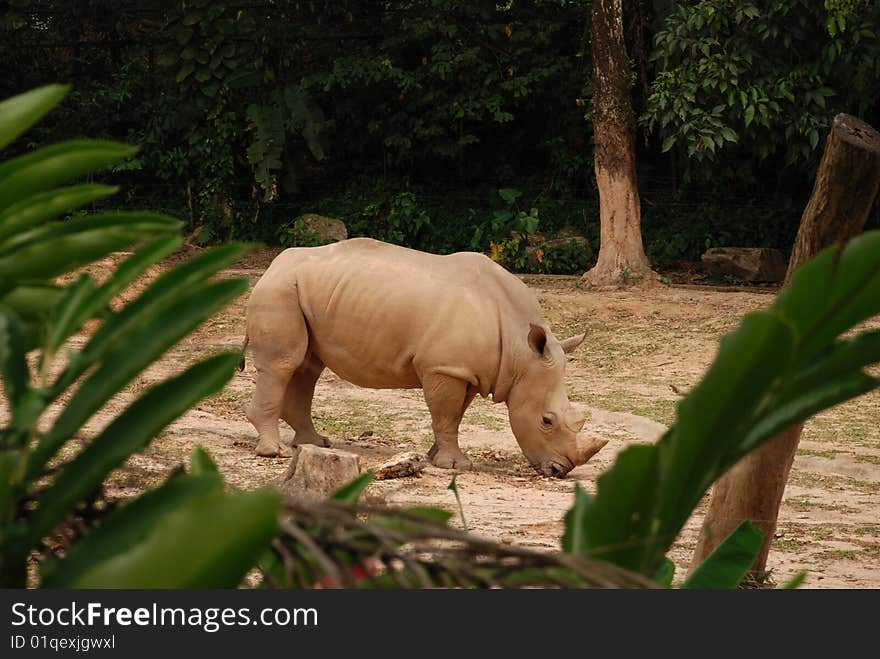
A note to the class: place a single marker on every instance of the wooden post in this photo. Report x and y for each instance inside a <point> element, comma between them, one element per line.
<point>846,186</point>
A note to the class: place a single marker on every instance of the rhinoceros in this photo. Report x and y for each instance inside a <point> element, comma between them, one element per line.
<point>388,317</point>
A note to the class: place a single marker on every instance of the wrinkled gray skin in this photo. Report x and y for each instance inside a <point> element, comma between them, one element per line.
<point>386,317</point>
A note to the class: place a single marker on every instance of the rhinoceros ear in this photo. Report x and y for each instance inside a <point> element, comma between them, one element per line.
<point>538,339</point>
<point>573,342</point>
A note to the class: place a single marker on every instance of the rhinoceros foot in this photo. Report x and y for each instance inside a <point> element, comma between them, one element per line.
<point>449,458</point>
<point>303,437</point>
<point>268,449</point>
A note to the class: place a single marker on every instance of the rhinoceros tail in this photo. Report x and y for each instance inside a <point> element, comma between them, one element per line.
<point>243,348</point>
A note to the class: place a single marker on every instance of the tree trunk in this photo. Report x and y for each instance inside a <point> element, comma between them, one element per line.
<point>846,186</point>
<point>622,258</point>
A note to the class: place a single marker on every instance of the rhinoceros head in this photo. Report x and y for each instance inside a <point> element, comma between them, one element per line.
<point>546,425</point>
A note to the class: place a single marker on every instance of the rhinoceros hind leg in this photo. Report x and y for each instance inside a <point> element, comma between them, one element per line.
<point>297,407</point>
<point>279,340</point>
<point>447,399</point>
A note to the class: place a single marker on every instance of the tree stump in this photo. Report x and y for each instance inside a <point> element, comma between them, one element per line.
<point>316,472</point>
<point>846,185</point>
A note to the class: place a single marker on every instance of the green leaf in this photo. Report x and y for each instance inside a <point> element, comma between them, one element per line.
<point>130,432</point>
<point>179,277</point>
<point>56,164</point>
<point>795,581</point>
<point>749,115</point>
<point>19,113</point>
<point>201,463</point>
<point>433,515</point>
<point>72,318</point>
<point>351,492</point>
<point>117,329</point>
<point>833,292</point>
<point>35,210</point>
<point>161,329</point>
<point>34,306</point>
<point>509,195</point>
<point>67,314</point>
<point>788,412</point>
<point>54,249</point>
<point>13,366</point>
<point>843,359</point>
<point>184,72</point>
<point>665,574</point>
<point>728,134</point>
<point>729,563</point>
<point>208,542</point>
<point>9,461</point>
<point>127,527</point>
<point>615,523</point>
<point>668,143</point>
<point>573,536</point>
<point>454,487</point>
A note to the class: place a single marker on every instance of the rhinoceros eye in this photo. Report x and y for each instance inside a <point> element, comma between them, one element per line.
<point>547,420</point>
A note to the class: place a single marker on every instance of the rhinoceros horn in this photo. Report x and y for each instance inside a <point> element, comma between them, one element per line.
<point>587,448</point>
<point>569,344</point>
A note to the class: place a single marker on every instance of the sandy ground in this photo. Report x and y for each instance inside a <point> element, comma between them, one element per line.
<point>642,345</point>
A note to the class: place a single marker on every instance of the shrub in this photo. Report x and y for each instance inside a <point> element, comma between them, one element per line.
<point>186,533</point>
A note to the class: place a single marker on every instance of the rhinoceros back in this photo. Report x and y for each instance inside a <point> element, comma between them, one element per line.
<point>380,316</point>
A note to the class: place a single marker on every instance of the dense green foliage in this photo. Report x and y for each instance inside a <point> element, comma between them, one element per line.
<point>405,119</point>
<point>743,84</point>
<point>186,533</point>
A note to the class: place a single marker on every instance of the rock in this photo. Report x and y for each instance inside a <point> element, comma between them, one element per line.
<point>327,229</point>
<point>538,249</point>
<point>316,472</point>
<point>745,263</point>
<point>401,465</point>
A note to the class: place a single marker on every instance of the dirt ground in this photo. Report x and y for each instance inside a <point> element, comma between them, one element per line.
<point>642,347</point>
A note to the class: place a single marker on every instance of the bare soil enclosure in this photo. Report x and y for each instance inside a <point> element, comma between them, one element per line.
<point>642,350</point>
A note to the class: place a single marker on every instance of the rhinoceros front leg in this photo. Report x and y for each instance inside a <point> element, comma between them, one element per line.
<point>297,408</point>
<point>447,399</point>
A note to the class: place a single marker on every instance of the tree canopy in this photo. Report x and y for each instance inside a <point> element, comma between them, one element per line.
<point>251,113</point>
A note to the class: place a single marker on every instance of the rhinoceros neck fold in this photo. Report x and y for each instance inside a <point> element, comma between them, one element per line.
<point>506,373</point>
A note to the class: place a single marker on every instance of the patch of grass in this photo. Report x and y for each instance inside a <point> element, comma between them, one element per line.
<point>660,410</point>
<point>356,419</point>
<point>871,551</point>
<point>830,453</point>
<point>868,553</point>
<point>486,421</point>
<point>870,459</point>
<point>790,544</point>
<point>870,529</point>
<point>845,424</point>
<point>846,554</point>
<point>827,482</point>
<point>804,504</point>
<point>231,398</point>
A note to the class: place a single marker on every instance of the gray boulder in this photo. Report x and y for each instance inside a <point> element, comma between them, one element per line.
<point>327,229</point>
<point>752,264</point>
